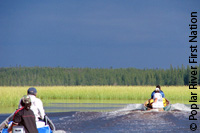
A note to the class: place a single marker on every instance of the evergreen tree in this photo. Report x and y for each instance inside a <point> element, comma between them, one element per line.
<point>46,76</point>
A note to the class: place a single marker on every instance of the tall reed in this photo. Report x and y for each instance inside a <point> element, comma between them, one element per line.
<point>10,96</point>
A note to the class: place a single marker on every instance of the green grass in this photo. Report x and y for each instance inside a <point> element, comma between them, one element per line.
<point>10,96</point>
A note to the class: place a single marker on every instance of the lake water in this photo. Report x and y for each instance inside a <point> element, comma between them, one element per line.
<point>117,117</point>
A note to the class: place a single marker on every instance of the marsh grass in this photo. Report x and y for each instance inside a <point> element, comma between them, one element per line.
<point>10,96</point>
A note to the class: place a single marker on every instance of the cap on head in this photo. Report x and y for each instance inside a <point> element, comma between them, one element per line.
<point>157,89</point>
<point>32,91</point>
<point>26,99</point>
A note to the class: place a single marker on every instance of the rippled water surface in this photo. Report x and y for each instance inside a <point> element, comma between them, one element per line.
<point>108,118</point>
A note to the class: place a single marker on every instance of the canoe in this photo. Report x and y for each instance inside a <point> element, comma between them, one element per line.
<point>148,106</point>
<point>47,128</point>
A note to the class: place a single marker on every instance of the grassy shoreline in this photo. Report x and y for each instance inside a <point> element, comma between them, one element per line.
<point>10,96</point>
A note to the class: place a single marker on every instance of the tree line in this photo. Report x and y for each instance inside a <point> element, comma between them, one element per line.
<point>47,76</point>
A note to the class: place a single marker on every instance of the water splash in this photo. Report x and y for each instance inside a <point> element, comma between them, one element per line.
<point>179,107</point>
<point>60,131</point>
<point>126,110</point>
<point>140,107</point>
<point>132,107</point>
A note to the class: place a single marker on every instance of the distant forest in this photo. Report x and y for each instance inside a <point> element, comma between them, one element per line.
<point>47,76</point>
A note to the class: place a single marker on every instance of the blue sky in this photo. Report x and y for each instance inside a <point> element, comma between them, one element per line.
<point>95,33</point>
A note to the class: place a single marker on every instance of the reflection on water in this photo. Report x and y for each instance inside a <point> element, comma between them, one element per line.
<point>54,105</point>
<point>81,105</point>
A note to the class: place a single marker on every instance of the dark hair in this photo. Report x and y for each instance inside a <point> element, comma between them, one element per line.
<point>158,86</point>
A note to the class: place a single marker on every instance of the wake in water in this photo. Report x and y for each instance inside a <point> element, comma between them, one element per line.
<point>140,107</point>
<point>131,118</point>
<point>180,107</point>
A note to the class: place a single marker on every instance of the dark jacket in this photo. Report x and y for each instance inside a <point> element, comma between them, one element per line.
<point>26,118</point>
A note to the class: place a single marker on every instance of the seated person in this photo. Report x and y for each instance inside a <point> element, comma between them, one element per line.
<point>24,117</point>
<point>36,104</point>
<point>158,101</point>
<point>161,92</point>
